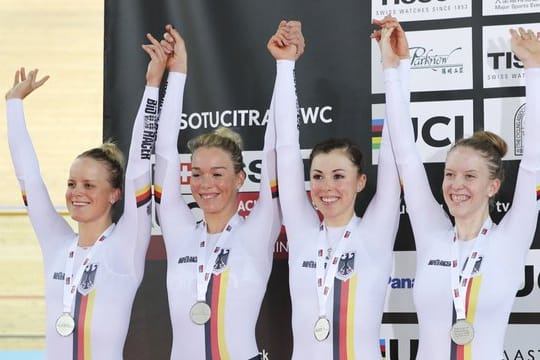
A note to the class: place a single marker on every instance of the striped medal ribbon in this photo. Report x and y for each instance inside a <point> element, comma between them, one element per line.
<point>325,273</point>
<point>65,324</point>
<point>200,311</point>
<point>462,331</point>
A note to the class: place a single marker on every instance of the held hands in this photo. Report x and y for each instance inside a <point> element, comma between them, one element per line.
<point>526,46</point>
<point>158,61</point>
<point>389,58</point>
<point>174,46</point>
<point>288,42</point>
<point>392,40</point>
<point>23,85</point>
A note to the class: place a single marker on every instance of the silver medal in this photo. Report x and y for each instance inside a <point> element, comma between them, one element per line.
<point>65,324</point>
<point>321,329</point>
<point>462,332</point>
<point>200,313</point>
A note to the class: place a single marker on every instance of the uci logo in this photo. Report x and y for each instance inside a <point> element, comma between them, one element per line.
<point>432,131</point>
<point>435,127</point>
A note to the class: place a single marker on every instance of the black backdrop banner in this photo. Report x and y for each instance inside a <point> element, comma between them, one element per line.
<point>230,81</point>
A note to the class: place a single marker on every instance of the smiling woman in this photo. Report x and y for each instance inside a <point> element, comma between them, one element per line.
<point>66,39</point>
<point>217,269</point>
<point>472,177</point>
<point>469,268</point>
<point>94,186</point>
<point>336,178</point>
<point>338,267</point>
<point>89,287</point>
<point>217,175</point>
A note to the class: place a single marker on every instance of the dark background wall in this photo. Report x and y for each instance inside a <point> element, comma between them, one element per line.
<point>230,69</point>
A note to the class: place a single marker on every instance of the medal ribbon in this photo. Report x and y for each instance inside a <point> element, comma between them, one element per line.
<point>325,274</point>
<point>72,282</point>
<point>459,285</point>
<point>204,272</point>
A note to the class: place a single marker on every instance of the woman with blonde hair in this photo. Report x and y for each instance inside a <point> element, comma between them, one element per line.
<point>92,275</point>
<point>217,269</point>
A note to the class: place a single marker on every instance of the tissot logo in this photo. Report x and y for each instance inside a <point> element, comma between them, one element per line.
<point>500,66</point>
<point>503,60</point>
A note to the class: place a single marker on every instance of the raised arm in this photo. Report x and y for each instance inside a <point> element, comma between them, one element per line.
<point>266,214</point>
<point>418,196</point>
<point>522,216</point>
<point>173,212</point>
<point>526,46</point>
<point>384,207</point>
<point>135,223</point>
<point>41,211</point>
<point>298,214</point>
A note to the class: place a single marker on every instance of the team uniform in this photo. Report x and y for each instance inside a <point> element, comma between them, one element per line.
<point>243,261</point>
<point>104,296</point>
<point>501,249</point>
<point>355,303</point>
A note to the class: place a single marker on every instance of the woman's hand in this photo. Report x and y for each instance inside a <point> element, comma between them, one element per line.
<point>398,38</point>
<point>175,47</point>
<point>288,42</point>
<point>526,46</point>
<point>158,61</point>
<point>24,85</point>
